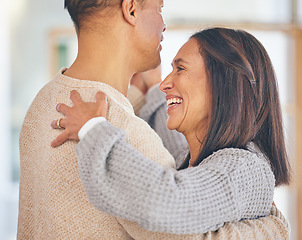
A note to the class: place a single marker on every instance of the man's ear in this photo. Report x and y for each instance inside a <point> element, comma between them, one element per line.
<point>129,8</point>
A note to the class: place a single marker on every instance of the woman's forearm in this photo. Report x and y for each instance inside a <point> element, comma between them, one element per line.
<point>121,181</point>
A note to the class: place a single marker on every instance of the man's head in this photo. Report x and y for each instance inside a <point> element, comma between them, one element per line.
<point>148,34</point>
<point>135,24</point>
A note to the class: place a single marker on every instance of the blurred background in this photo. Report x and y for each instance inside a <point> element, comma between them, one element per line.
<point>37,39</point>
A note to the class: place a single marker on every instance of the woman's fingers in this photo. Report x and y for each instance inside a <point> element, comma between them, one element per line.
<point>100,97</point>
<point>75,97</point>
<point>59,140</point>
<point>77,115</point>
<point>59,123</point>
<point>63,108</point>
<point>102,102</point>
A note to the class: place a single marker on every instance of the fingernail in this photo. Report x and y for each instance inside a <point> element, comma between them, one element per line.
<point>58,107</point>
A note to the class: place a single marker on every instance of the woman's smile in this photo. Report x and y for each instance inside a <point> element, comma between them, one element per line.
<point>173,102</point>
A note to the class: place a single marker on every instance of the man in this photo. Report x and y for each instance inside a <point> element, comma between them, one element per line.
<point>115,39</point>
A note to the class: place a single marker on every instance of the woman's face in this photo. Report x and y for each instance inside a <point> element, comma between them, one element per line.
<point>187,91</point>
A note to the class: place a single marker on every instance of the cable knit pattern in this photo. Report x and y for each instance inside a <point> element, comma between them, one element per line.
<point>229,185</point>
<point>52,200</point>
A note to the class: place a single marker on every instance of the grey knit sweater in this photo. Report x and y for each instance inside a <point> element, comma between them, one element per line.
<point>229,185</point>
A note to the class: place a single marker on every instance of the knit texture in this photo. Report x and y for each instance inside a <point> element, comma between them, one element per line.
<point>273,227</point>
<point>229,185</point>
<point>136,98</point>
<point>154,112</point>
<point>52,201</point>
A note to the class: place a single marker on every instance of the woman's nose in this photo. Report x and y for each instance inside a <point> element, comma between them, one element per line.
<point>166,84</point>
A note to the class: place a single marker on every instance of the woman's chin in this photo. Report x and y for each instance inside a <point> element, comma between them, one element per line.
<point>172,125</point>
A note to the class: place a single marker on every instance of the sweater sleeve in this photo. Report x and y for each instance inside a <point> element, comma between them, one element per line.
<point>121,181</point>
<point>154,112</point>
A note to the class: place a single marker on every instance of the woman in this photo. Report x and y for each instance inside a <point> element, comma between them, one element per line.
<point>222,95</point>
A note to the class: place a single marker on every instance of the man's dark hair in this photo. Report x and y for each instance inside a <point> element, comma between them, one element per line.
<point>245,102</point>
<point>80,9</point>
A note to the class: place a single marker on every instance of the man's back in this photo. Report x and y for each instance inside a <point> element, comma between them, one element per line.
<point>53,203</point>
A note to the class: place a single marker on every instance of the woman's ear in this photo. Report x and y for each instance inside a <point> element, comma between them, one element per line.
<point>129,8</point>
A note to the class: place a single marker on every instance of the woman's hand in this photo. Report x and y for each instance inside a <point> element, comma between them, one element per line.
<point>145,80</point>
<point>77,115</point>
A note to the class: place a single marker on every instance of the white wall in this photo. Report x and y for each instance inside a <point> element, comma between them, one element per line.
<point>274,11</point>
<point>6,223</point>
<point>24,61</point>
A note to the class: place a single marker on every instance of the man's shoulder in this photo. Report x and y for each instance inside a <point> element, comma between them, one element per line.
<point>142,137</point>
<point>41,100</point>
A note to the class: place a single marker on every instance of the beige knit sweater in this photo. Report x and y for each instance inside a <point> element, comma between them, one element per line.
<point>52,201</point>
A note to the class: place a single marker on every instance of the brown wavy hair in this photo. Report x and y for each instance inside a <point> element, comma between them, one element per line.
<point>245,101</point>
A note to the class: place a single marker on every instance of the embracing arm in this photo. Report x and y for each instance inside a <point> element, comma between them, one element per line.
<point>121,181</point>
<point>271,227</point>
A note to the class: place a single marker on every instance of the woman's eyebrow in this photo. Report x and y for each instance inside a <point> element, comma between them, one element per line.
<point>179,60</point>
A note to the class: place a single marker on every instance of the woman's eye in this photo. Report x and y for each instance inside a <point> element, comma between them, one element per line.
<point>179,69</point>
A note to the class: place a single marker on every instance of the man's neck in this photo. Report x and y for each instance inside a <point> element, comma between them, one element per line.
<point>103,60</point>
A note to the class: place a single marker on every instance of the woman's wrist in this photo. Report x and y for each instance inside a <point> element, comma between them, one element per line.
<point>89,125</point>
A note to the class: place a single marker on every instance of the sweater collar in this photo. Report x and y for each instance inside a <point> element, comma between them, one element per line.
<point>111,92</point>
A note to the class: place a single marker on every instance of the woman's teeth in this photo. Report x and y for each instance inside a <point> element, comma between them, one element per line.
<point>172,101</point>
